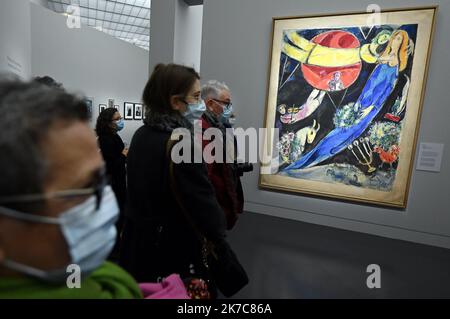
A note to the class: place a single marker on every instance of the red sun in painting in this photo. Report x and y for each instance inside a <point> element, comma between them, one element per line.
<point>333,78</point>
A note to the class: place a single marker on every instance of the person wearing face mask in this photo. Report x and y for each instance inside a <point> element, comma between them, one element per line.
<point>158,239</point>
<point>223,175</point>
<point>114,152</point>
<point>56,209</point>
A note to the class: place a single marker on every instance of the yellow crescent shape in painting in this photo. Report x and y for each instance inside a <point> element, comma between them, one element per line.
<point>308,52</point>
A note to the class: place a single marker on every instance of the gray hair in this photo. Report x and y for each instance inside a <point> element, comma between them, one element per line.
<point>28,112</point>
<point>213,88</point>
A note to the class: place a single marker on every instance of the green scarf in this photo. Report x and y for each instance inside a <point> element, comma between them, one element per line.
<point>107,282</point>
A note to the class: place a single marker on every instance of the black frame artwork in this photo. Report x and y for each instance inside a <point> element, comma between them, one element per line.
<point>89,103</point>
<point>128,115</point>
<point>101,108</point>
<point>138,111</point>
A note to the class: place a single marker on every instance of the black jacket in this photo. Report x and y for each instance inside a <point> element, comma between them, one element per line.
<point>112,146</point>
<point>157,240</point>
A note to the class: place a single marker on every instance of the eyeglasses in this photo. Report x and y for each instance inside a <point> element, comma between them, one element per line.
<point>101,181</point>
<point>225,104</point>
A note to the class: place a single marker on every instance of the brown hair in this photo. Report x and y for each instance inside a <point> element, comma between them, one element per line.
<point>166,81</point>
<point>403,51</point>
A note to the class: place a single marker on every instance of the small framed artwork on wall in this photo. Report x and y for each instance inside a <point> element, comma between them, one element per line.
<point>128,111</point>
<point>110,103</point>
<point>89,103</point>
<point>138,110</point>
<point>102,107</point>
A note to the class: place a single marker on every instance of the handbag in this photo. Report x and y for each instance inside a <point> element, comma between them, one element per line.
<point>219,259</point>
<point>171,287</point>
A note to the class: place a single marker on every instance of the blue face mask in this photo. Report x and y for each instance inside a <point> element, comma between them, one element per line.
<point>195,111</point>
<point>225,116</point>
<point>90,234</point>
<point>120,125</point>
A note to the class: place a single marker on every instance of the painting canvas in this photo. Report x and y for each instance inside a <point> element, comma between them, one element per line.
<point>128,111</point>
<point>346,98</point>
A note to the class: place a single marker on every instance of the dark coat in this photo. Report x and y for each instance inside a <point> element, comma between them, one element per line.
<point>157,240</point>
<point>112,146</point>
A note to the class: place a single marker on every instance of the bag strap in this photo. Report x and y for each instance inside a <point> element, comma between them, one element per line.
<point>207,246</point>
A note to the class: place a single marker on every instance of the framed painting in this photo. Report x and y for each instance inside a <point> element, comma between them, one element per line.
<point>128,111</point>
<point>344,104</point>
<point>138,111</point>
<point>102,107</point>
<point>89,103</point>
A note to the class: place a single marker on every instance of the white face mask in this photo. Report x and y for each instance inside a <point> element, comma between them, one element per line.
<point>89,231</point>
<point>195,111</point>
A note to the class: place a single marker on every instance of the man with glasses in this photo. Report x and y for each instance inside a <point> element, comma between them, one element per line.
<point>223,174</point>
<point>56,209</point>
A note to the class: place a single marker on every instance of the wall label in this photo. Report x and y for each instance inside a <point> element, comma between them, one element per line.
<point>430,157</point>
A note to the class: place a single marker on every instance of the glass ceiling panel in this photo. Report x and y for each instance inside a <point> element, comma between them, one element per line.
<point>128,20</point>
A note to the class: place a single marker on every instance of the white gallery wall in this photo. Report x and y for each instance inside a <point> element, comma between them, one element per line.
<point>88,61</point>
<point>237,37</point>
<point>175,33</point>
<point>15,46</point>
<point>188,35</point>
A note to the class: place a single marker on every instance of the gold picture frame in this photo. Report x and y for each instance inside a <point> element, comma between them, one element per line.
<point>346,96</point>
